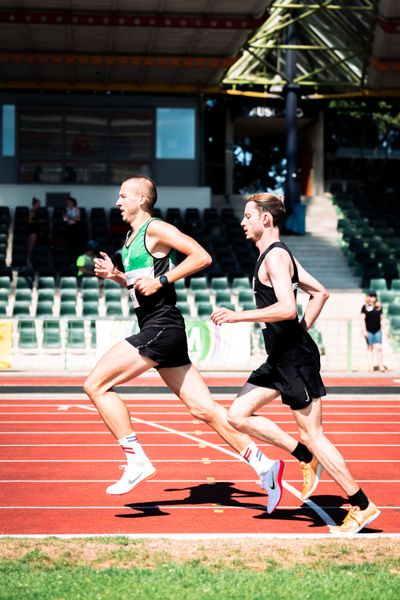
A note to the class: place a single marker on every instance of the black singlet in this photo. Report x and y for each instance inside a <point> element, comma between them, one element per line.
<point>286,342</point>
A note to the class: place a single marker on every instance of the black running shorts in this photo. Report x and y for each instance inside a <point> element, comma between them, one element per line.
<point>297,384</point>
<point>167,346</point>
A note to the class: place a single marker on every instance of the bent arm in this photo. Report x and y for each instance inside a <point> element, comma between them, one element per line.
<point>318,295</point>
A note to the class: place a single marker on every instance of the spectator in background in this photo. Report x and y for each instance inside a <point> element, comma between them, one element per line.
<point>371,329</point>
<point>72,218</point>
<point>85,262</point>
<point>34,226</point>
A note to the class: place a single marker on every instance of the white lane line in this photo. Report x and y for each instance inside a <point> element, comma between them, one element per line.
<point>262,445</point>
<point>174,460</point>
<point>180,507</point>
<point>184,411</point>
<point>139,432</point>
<point>185,481</point>
<point>188,420</point>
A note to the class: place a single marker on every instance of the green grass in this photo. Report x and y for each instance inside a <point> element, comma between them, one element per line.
<point>35,576</point>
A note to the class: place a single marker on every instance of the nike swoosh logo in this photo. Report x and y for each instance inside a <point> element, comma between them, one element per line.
<point>272,486</point>
<point>130,481</point>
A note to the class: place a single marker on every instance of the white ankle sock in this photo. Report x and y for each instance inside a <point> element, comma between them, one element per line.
<point>256,459</point>
<point>133,450</point>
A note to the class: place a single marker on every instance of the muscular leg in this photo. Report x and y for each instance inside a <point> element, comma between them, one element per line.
<point>187,383</point>
<point>118,365</point>
<point>309,421</point>
<point>241,416</point>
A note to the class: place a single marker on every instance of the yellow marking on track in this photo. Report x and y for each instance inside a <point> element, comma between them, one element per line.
<point>202,445</point>
<point>206,461</point>
<point>210,480</point>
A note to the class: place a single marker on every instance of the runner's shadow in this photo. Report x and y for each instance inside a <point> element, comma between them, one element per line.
<point>221,493</point>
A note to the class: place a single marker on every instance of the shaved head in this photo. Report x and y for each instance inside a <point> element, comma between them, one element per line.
<point>146,186</point>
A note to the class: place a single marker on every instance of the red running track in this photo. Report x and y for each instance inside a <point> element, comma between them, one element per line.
<point>57,459</point>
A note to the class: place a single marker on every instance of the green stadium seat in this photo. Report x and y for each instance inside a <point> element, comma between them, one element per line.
<point>23,283</point>
<point>184,308</point>
<point>23,295</point>
<point>242,283</point>
<point>76,335</point>
<point>245,296</point>
<point>21,308</point>
<point>109,284</point>
<point>27,336</point>
<point>393,310</point>
<point>395,285</point>
<point>181,295</point>
<point>68,295</point>
<point>46,294</point>
<point>300,311</point>
<point>4,295</point>
<point>180,284</point>
<point>3,308</point>
<point>68,282</point>
<point>46,283</point>
<point>228,305</point>
<point>90,309</point>
<point>114,309</point>
<point>90,283</point>
<point>201,296</point>
<point>44,309</point>
<point>248,306</point>
<point>386,297</point>
<point>394,325</point>
<point>378,284</point>
<point>93,336</point>
<point>51,335</point>
<point>198,283</point>
<point>5,283</point>
<point>222,296</point>
<point>204,310</point>
<point>68,309</point>
<point>219,283</point>
<point>112,295</point>
<point>90,295</point>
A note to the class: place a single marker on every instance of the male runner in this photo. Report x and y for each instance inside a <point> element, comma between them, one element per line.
<point>293,364</point>
<point>149,259</point>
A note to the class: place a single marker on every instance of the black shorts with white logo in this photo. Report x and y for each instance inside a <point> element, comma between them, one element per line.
<point>297,384</point>
<point>167,346</point>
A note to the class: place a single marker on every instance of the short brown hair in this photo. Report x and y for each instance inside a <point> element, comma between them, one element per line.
<point>150,189</point>
<point>271,203</point>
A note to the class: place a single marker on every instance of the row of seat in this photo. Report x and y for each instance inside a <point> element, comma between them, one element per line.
<point>53,336</point>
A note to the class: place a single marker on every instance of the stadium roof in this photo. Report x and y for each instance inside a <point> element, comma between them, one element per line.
<point>342,46</point>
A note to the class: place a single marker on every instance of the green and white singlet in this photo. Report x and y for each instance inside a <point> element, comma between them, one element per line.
<point>158,309</point>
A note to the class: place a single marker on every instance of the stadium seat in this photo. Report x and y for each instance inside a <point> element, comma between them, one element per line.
<point>4,295</point>
<point>113,309</point>
<point>46,294</point>
<point>201,296</point>
<point>184,308</point>
<point>68,309</point>
<point>46,283</point>
<point>21,308</point>
<point>204,310</point>
<point>180,284</point>
<point>90,295</point>
<point>90,309</point>
<point>23,283</point>
<point>90,283</point>
<point>245,296</point>
<point>181,295</point>
<point>44,309</point>
<point>113,295</point>
<point>68,283</point>
<point>395,285</point>
<point>51,335</point>
<point>228,305</point>
<point>3,308</point>
<point>23,295</point>
<point>198,283</point>
<point>5,283</point>
<point>27,336</point>
<point>219,283</point>
<point>222,296</point>
<point>68,295</point>
<point>75,339</point>
<point>393,310</point>
<point>93,336</point>
<point>109,284</point>
<point>241,283</point>
<point>248,306</point>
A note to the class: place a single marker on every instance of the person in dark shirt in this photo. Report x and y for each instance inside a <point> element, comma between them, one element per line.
<point>292,369</point>
<point>371,328</point>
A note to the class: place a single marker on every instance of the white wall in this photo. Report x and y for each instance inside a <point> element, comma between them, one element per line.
<point>105,196</point>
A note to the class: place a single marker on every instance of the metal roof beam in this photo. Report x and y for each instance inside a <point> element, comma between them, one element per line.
<point>119,19</point>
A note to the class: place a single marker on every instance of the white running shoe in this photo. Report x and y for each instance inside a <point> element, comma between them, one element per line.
<point>131,477</point>
<point>271,482</point>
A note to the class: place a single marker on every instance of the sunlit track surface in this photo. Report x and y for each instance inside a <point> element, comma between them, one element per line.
<point>57,458</point>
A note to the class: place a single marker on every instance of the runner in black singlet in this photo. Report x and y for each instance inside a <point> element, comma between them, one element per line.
<point>292,367</point>
<point>150,270</point>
